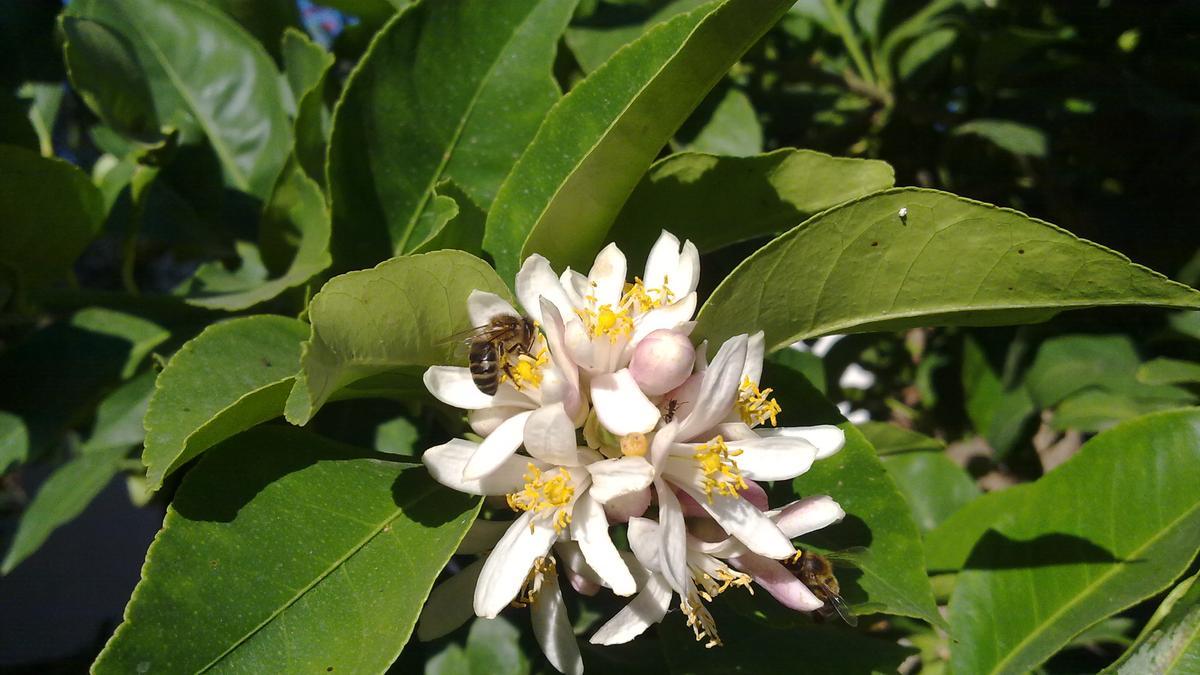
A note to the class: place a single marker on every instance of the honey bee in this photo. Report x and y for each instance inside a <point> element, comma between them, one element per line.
<point>816,572</point>
<point>490,346</point>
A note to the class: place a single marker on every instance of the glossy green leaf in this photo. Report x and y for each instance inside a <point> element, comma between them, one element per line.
<point>296,210</point>
<point>598,140</point>
<point>463,229</point>
<point>266,20</point>
<point>613,26</point>
<point>890,575</point>
<point>1097,409</point>
<point>493,648</point>
<point>374,321</point>
<point>687,194</point>
<point>1069,364</point>
<point>14,441</point>
<point>229,378</point>
<point>733,129</point>
<point>1170,642</point>
<point>861,266</point>
<point>1113,525</point>
<point>1014,137</point>
<point>304,62</point>
<point>45,100</point>
<point>926,53</point>
<point>231,95</point>
<point>420,108</point>
<point>72,486</point>
<point>105,71</point>
<point>948,545</point>
<point>1001,414</point>
<point>50,211</point>
<point>283,552</point>
<point>64,495</point>
<point>934,486</point>
<point>889,439</point>
<point>1168,371</point>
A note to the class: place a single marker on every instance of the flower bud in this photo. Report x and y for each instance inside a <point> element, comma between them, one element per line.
<point>662,361</point>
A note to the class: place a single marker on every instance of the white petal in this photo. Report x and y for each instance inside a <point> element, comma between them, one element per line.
<point>672,538</point>
<point>580,346</point>
<point>662,261</point>
<point>455,387</point>
<point>446,463</point>
<point>575,285</point>
<point>482,536</point>
<point>485,420</point>
<point>552,627</point>
<point>607,277</point>
<point>536,280</point>
<point>449,605</point>
<point>580,574</point>
<point>778,581</point>
<point>826,438</point>
<point>687,271</point>
<point>807,515</point>
<point>743,520</point>
<point>552,326</point>
<point>621,405</point>
<point>701,357</point>
<point>856,377</point>
<point>483,307</point>
<point>612,478</point>
<point>589,527</point>
<point>669,317</point>
<point>550,436</point>
<point>509,563</point>
<point>647,609</point>
<point>778,458</point>
<point>644,541</point>
<point>718,389</point>
<point>497,447</point>
<point>663,441</point>
<point>736,431</point>
<point>754,357</point>
<point>621,509</point>
<point>822,346</point>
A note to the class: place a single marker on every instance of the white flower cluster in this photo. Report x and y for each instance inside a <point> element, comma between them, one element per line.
<point>614,417</point>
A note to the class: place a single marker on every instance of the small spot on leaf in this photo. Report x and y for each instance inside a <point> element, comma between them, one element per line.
<point>1020,251</point>
<point>213,564</point>
<point>874,243</point>
<point>266,362</point>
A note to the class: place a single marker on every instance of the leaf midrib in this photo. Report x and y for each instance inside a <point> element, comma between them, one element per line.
<point>240,179</point>
<point>1087,590</point>
<point>462,125</point>
<point>335,565</point>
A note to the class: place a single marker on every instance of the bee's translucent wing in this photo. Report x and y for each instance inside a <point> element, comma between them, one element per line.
<point>839,605</point>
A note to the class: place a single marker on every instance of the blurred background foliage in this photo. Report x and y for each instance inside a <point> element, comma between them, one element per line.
<point>1085,114</point>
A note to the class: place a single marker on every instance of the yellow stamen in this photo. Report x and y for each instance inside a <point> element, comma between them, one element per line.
<point>644,299</point>
<point>700,621</point>
<point>754,406</point>
<point>527,371</point>
<point>606,321</point>
<point>721,474</point>
<point>720,580</point>
<point>542,567</point>
<point>542,494</point>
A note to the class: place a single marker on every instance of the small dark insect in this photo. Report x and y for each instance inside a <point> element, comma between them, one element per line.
<point>672,408</point>
<point>490,346</point>
<point>816,572</point>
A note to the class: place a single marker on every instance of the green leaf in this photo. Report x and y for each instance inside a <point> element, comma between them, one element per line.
<point>733,129</point>
<point>1170,642</point>
<point>232,376</point>
<point>1069,364</point>
<point>421,108</point>
<point>1113,525</point>
<point>934,486</point>
<point>232,95</point>
<point>1168,371</point>
<point>890,575</point>
<point>464,227</point>
<point>304,61</point>
<point>861,267</point>
<point>296,210</point>
<point>266,20</point>
<point>68,491</point>
<point>36,192</point>
<point>1014,137</point>
<point>926,53</point>
<point>613,26</point>
<point>889,439</point>
<point>948,545</point>
<point>493,648</point>
<point>64,495</point>
<point>14,441</point>
<point>1001,414</point>
<point>397,436</point>
<point>596,143</point>
<point>375,321</point>
<point>105,70</point>
<point>284,552</point>
<point>687,194</point>
<point>1097,409</point>
<point>45,99</point>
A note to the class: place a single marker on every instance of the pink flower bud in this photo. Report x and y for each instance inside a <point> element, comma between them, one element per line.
<point>662,361</point>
